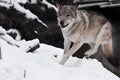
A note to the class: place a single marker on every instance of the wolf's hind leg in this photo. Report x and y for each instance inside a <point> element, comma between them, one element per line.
<point>92,45</point>
<point>93,50</point>
<point>97,43</point>
<point>103,36</point>
<point>107,48</point>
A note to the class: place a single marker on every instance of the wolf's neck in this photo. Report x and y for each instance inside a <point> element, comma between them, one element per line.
<point>82,16</point>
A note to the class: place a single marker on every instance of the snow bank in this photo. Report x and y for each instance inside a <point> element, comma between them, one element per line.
<point>42,65</point>
<point>15,31</point>
<point>17,6</point>
<point>15,1</point>
<point>28,13</point>
<point>6,37</point>
<point>2,31</point>
<point>27,45</point>
<point>49,5</point>
<point>5,5</point>
<point>33,1</point>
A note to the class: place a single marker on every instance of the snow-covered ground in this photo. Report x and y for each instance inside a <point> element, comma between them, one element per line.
<point>16,64</point>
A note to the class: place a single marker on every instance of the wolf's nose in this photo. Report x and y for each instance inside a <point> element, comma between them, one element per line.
<point>61,23</point>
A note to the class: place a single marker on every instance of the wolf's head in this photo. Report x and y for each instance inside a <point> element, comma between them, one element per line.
<point>66,15</point>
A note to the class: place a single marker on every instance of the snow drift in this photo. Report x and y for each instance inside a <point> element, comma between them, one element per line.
<point>42,64</point>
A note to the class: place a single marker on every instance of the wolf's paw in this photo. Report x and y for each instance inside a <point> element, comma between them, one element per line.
<point>88,54</point>
<point>64,59</point>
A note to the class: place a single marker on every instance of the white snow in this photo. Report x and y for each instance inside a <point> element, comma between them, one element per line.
<point>15,1</point>
<point>27,45</point>
<point>33,1</point>
<point>28,13</point>
<point>50,5</point>
<point>16,64</point>
<point>5,5</point>
<point>18,36</point>
<point>6,37</point>
<point>17,6</point>
<point>24,45</point>
<point>25,1</point>
<point>2,31</point>
<point>36,32</point>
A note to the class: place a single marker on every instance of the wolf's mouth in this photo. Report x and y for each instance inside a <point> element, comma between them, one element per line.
<point>63,26</point>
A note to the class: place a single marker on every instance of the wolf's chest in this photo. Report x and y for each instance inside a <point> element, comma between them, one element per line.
<point>72,37</point>
<point>76,36</point>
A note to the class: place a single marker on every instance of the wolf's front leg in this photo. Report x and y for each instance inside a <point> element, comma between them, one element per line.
<point>70,52</point>
<point>67,44</point>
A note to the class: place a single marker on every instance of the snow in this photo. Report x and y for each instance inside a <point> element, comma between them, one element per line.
<point>50,5</point>
<point>29,14</point>
<point>16,64</point>
<point>27,45</point>
<point>33,1</point>
<point>25,1</point>
<point>5,5</point>
<point>36,32</point>
<point>17,6</point>
<point>16,1</point>
<point>2,31</point>
<point>6,37</point>
<point>18,36</point>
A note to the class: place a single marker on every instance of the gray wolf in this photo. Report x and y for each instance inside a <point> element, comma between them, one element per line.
<point>82,26</point>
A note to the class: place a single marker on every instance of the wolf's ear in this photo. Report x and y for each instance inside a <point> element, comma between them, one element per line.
<point>74,7</point>
<point>58,5</point>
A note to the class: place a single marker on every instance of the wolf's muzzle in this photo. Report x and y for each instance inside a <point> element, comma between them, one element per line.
<point>62,24</point>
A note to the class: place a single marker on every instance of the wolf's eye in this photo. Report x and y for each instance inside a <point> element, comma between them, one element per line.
<point>67,15</point>
<point>60,15</point>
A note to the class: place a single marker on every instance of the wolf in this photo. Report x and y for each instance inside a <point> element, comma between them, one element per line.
<point>83,26</point>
